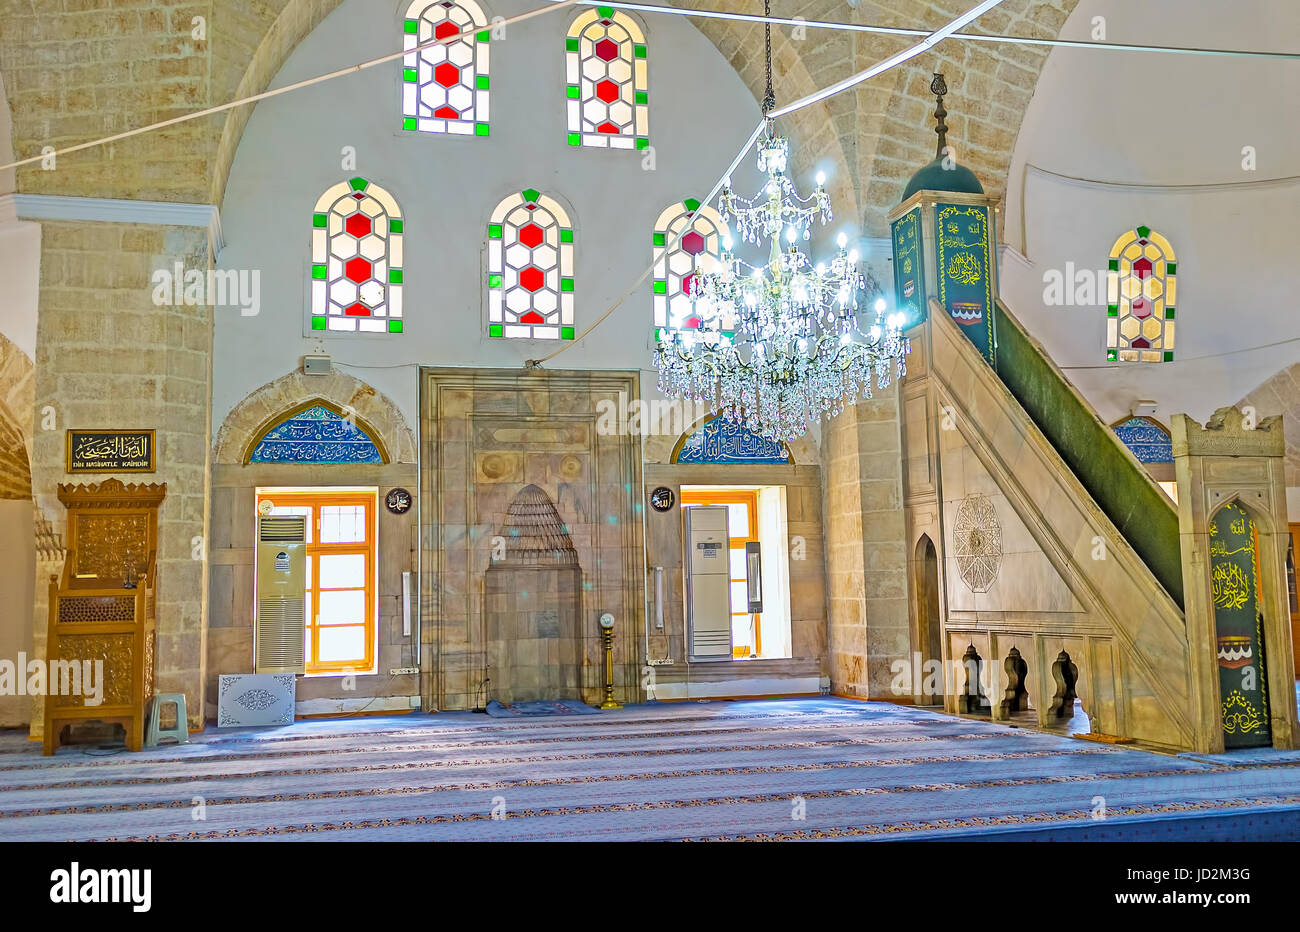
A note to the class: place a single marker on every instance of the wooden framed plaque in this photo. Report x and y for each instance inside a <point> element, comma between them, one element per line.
<point>111,450</point>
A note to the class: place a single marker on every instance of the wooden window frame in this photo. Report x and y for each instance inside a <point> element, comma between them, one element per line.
<point>369,548</point>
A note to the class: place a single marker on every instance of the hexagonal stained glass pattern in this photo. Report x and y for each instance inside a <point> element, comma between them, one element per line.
<point>445,86</point>
<point>1142,294</point>
<point>356,255</point>
<point>703,233</point>
<point>530,269</point>
<point>605,69</point>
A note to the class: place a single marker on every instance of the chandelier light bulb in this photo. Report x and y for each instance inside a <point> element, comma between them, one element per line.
<point>853,257</point>
<point>841,241</point>
<point>880,305</point>
<point>821,179</point>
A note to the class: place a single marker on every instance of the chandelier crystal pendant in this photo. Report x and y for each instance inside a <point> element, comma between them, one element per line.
<point>782,344</point>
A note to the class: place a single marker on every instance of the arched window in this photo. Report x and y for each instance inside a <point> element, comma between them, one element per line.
<point>445,86</point>
<point>1141,298</point>
<point>356,256</point>
<point>605,70</point>
<point>675,266</point>
<point>530,269</point>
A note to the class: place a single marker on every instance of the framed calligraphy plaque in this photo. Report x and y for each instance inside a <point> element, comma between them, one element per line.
<point>111,450</point>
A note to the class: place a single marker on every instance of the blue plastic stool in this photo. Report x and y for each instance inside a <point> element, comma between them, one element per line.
<point>180,731</point>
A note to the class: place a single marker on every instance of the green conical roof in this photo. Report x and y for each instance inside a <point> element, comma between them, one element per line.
<point>937,177</point>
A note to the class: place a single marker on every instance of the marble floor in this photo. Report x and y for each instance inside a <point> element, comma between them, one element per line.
<point>750,770</point>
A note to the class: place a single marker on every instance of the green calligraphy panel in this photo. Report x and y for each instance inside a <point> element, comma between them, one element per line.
<point>964,250</point>
<point>1234,586</point>
<point>909,268</point>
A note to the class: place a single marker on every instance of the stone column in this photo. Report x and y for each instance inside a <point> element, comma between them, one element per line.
<point>1231,459</point>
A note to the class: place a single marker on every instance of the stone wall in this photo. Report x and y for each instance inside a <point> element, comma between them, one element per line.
<point>107,356</point>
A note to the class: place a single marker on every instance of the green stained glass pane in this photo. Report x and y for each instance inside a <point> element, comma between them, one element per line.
<point>1169,356</point>
<point>566,284</point>
<point>395,276</point>
<point>1173,268</point>
<point>661,287</point>
<point>571,92</point>
<point>1110,354</point>
<point>481,129</point>
<point>494,231</point>
<point>691,203</point>
<point>566,333</point>
<point>1112,310</point>
<point>642,97</point>
<point>483,35</point>
<point>642,143</point>
<point>1114,265</point>
<point>481,82</point>
<point>319,220</point>
<point>318,271</point>
<point>606,12</point>
<point>575,139</point>
<point>394,226</point>
<point>410,75</point>
<point>1169,313</point>
<point>358,184</point>
<point>639,51</point>
<point>566,236</point>
<point>394,326</point>
<point>495,330</point>
<point>318,323</point>
<point>412,26</point>
<point>408,122</point>
<point>660,239</point>
<point>531,195</point>
<point>571,45</point>
<point>1144,232</point>
<point>494,281</point>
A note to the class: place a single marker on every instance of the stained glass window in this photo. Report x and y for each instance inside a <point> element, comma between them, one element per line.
<point>530,269</point>
<point>356,256</point>
<point>676,264</point>
<point>1141,298</point>
<point>445,86</point>
<point>316,434</point>
<point>605,70</point>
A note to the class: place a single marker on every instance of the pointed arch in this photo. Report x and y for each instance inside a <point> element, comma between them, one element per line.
<point>719,440</point>
<point>316,431</point>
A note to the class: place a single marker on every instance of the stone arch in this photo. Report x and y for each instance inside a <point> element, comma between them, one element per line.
<point>17,401</point>
<point>249,419</point>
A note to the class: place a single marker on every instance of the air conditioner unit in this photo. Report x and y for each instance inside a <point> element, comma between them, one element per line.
<point>708,583</point>
<point>280,617</point>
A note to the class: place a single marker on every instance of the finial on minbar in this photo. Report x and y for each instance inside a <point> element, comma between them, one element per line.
<point>939,88</point>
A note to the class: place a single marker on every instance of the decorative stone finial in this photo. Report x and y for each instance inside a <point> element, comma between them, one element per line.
<point>938,87</point>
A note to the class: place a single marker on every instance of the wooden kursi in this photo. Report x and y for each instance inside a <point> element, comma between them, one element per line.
<point>101,632</point>
<point>340,600</point>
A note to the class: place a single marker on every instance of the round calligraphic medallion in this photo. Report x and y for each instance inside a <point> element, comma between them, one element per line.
<point>977,542</point>
<point>662,499</point>
<point>398,501</point>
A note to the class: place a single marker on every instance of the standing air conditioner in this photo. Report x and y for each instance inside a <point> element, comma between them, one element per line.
<point>708,583</point>
<point>280,618</point>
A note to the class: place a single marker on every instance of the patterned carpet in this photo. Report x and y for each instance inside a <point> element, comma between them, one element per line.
<point>746,770</point>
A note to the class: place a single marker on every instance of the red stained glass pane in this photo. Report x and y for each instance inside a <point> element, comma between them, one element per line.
<point>1140,343</point>
<point>446,74</point>
<point>693,323</point>
<point>532,317</point>
<point>1142,267</point>
<point>1141,308</point>
<point>607,91</point>
<point>693,243</point>
<point>531,235</point>
<point>357,310</point>
<point>446,113</point>
<point>606,50</point>
<point>607,128</point>
<point>532,279</point>
<point>358,225</point>
<point>444,29</point>
<point>358,270</point>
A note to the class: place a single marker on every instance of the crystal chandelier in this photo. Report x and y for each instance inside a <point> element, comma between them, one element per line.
<point>780,345</point>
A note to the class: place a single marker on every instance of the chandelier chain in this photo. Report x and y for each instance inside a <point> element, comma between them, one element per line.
<point>769,96</point>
